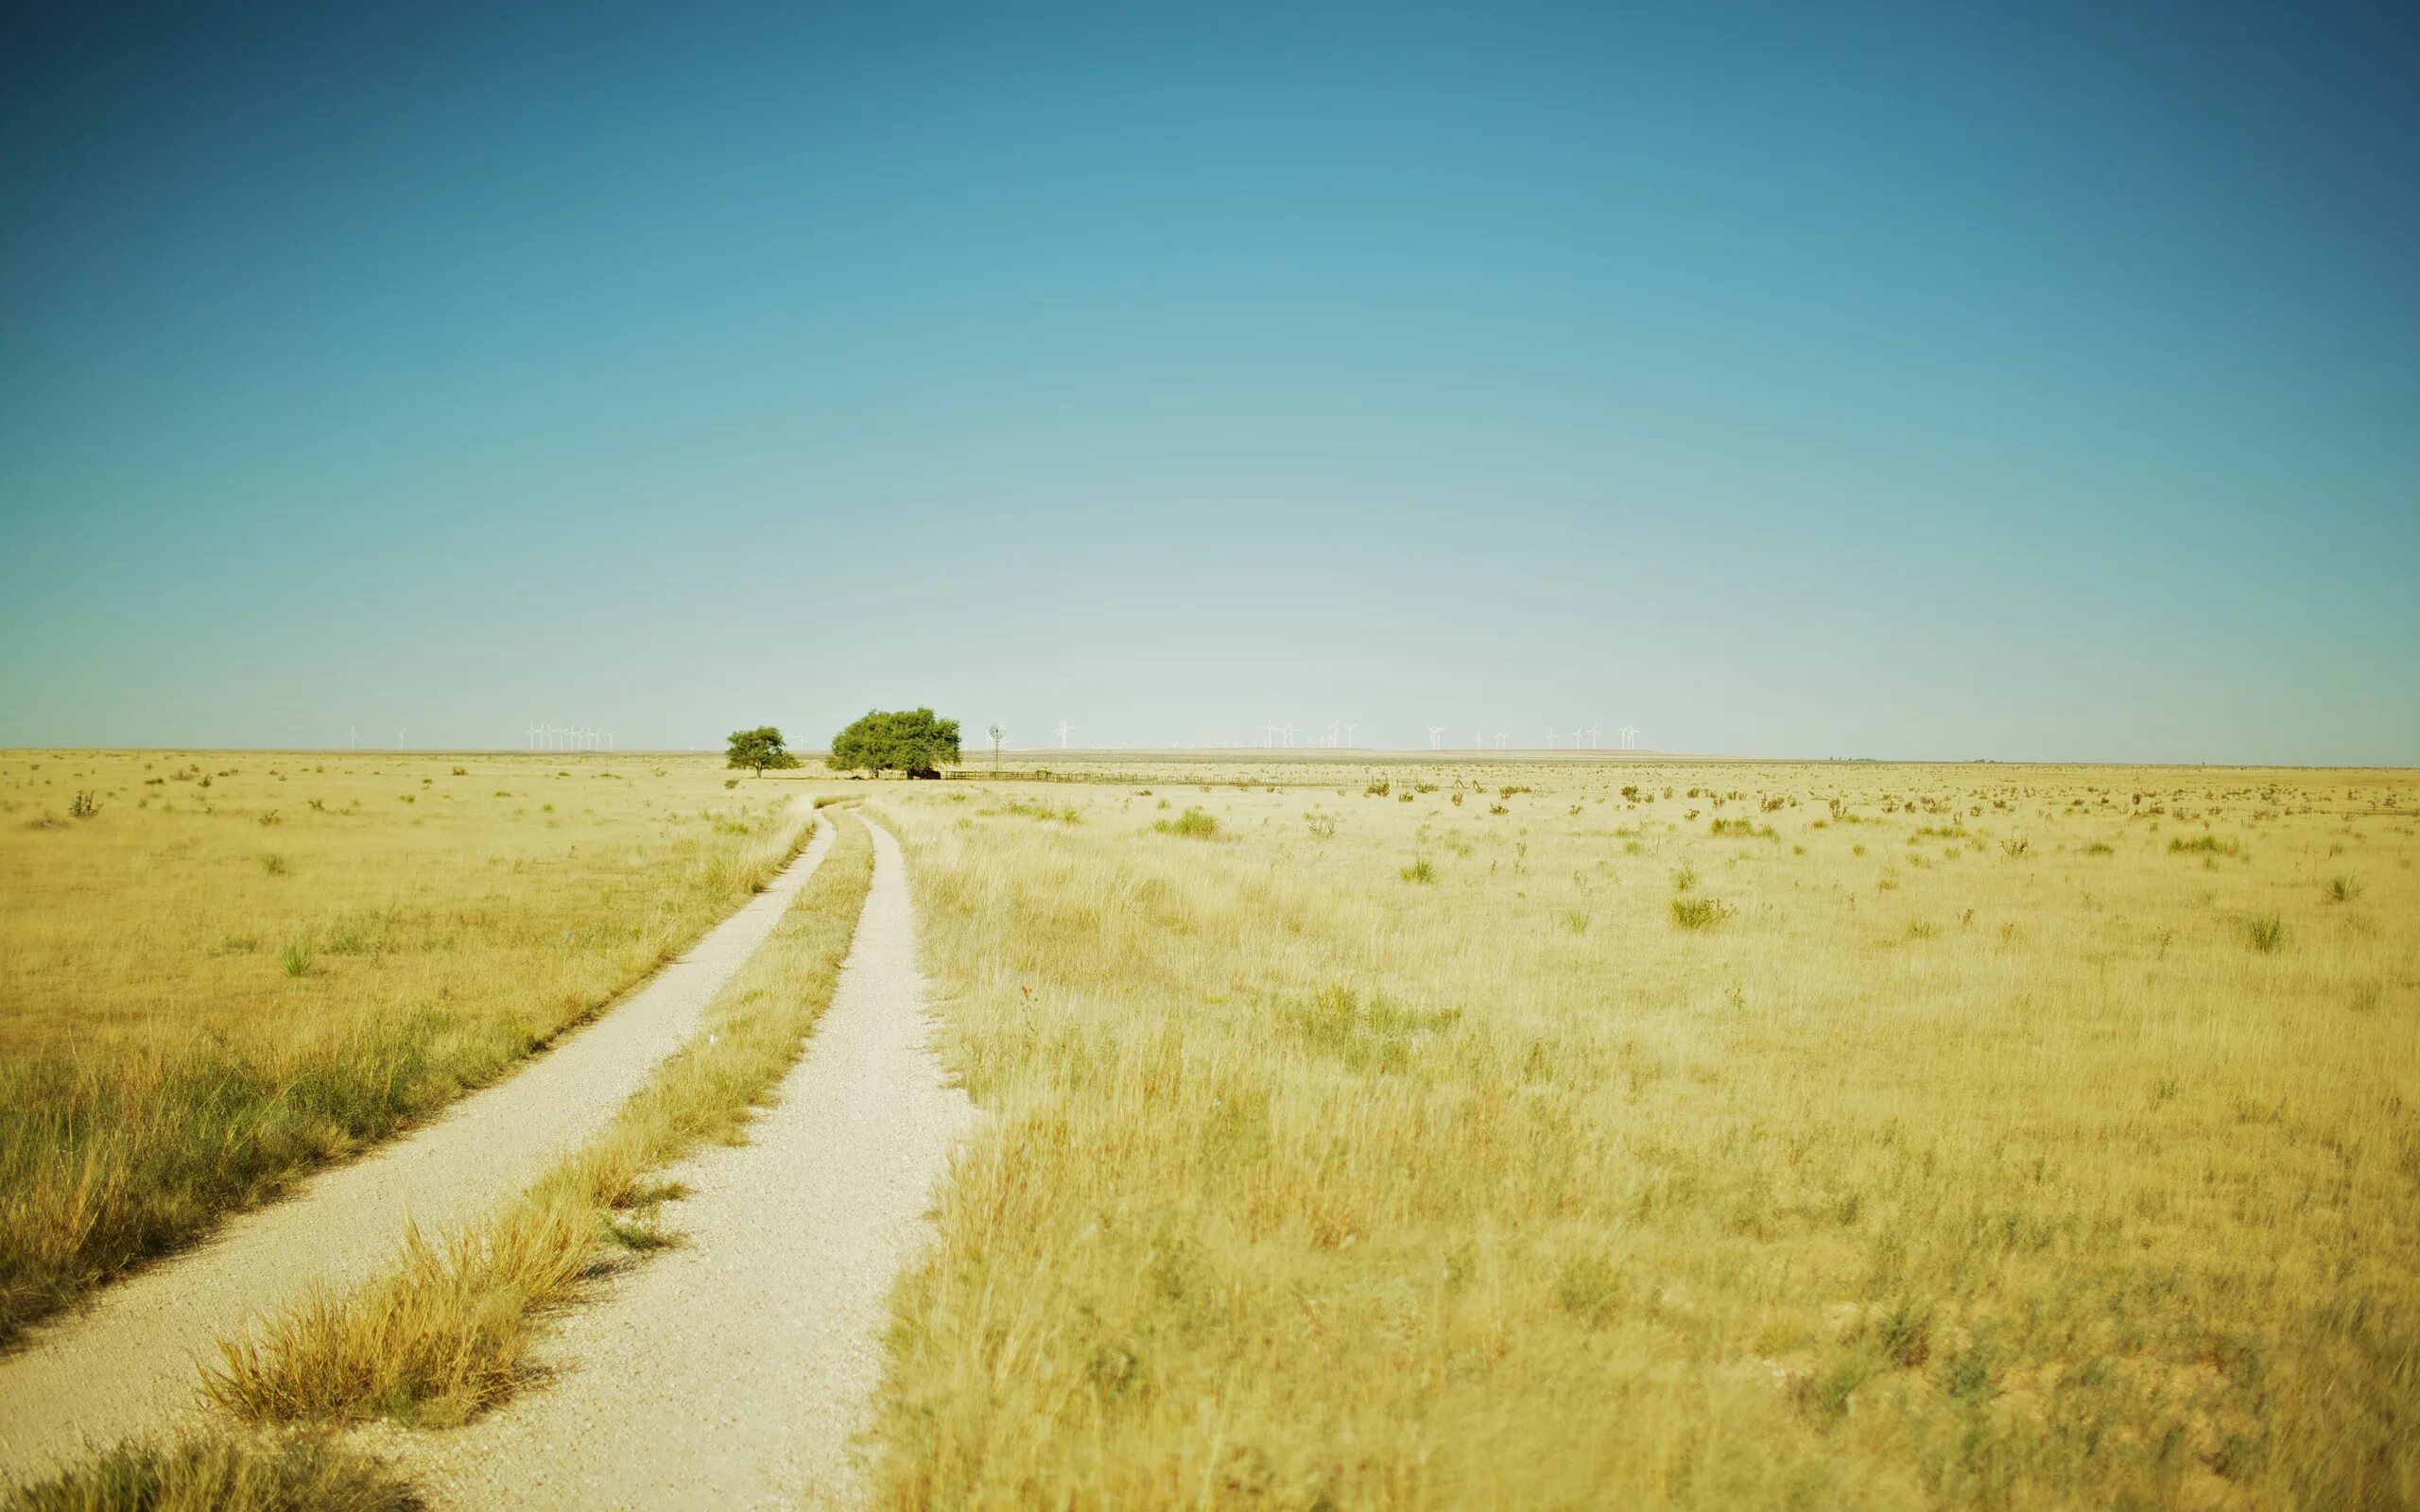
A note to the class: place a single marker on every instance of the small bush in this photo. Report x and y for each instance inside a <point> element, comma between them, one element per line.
<point>1905,1336</point>
<point>1420,872</point>
<point>1322,825</point>
<point>273,864</point>
<point>1590,1290</point>
<point>297,959</point>
<point>83,806</point>
<point>2203,845</point>
<point>2264,933</point>
<point>2342,889</point>
<point>1378,788</point>
<point>1741,830</point>
<point>1697,913</point>
<point>1193,824</point>
<point>1683,879</point>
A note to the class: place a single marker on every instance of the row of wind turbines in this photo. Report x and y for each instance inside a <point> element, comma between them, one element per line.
<point>545,736</point>
<point>1627,736</point>
<point>1281,736</point>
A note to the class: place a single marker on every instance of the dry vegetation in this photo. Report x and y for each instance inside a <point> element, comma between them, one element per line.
<point>222,970</point>
<point>1459,1136</point>
<point>441,1337</point>
<point>299,1474</point>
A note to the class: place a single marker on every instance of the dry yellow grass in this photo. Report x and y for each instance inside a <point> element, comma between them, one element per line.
<point>246,964</point>
<point>441,1336</point>
<point>2007,1137</point>
<point>226,1473</point>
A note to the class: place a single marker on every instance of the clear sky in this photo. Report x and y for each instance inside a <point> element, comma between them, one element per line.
<point>2031,380</point>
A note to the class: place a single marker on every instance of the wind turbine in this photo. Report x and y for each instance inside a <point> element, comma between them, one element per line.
<point>1630,738</point>
<point>1550,737</point>
<point>1286,730</point>
<point>1063,734</point>
<point>1436,737</point>
<point>1499,738</point>
<point>1348,734</point>
<point>1592,737</point>
<point>399,740</point>
<point>352,736</point>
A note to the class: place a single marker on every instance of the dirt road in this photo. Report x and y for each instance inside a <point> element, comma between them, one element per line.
<point>734,1369</point>
<point>125,1365</point>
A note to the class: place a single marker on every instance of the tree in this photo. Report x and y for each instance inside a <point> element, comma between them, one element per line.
<point>906,740</point>
<point>760,748</point>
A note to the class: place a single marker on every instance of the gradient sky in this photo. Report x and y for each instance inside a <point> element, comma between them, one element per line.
<point>1903,381</point>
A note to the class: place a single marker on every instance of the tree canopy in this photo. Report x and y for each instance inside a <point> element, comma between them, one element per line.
<point>904,740</point>
<point>760,748</point>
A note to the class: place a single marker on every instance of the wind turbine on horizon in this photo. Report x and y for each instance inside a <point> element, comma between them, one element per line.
<point>1436,737</point>
<point>1063,734</point>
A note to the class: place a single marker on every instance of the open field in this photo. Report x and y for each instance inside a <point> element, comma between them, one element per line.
<point>243,964</point>
<point>1810,1136</point>
<point>1371,1133</point>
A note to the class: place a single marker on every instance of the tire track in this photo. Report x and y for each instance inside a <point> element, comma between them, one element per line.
<point>738,1368</point>
<point>126,1364</point>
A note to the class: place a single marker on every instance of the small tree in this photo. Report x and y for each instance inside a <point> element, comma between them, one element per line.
<point>760,748</point>
<point>906,740</point>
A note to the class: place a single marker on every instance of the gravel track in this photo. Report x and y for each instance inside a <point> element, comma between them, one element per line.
<point>126,1364</point>
<point>736,1369</point>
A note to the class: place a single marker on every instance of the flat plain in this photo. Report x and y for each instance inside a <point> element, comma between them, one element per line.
<point>224,969</point>
<point>1387,1132</point>
<point>1573,1134</point>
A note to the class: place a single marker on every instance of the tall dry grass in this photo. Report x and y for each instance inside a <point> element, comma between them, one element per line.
<point>442,1337</point>
<point>222,1474</point>
<point>1971,1150</point>
<point>241,966</point>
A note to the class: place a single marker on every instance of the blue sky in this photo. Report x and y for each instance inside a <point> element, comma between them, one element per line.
<point>1922,381</point>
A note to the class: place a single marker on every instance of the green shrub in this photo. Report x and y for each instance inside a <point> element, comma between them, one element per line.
<point>1193,824</point>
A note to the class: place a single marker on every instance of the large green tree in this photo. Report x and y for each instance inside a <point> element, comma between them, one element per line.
<point>904,740</point>
<point>760,748</point>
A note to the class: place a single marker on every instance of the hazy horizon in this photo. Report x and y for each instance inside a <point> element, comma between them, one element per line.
<point>1902,384</point>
